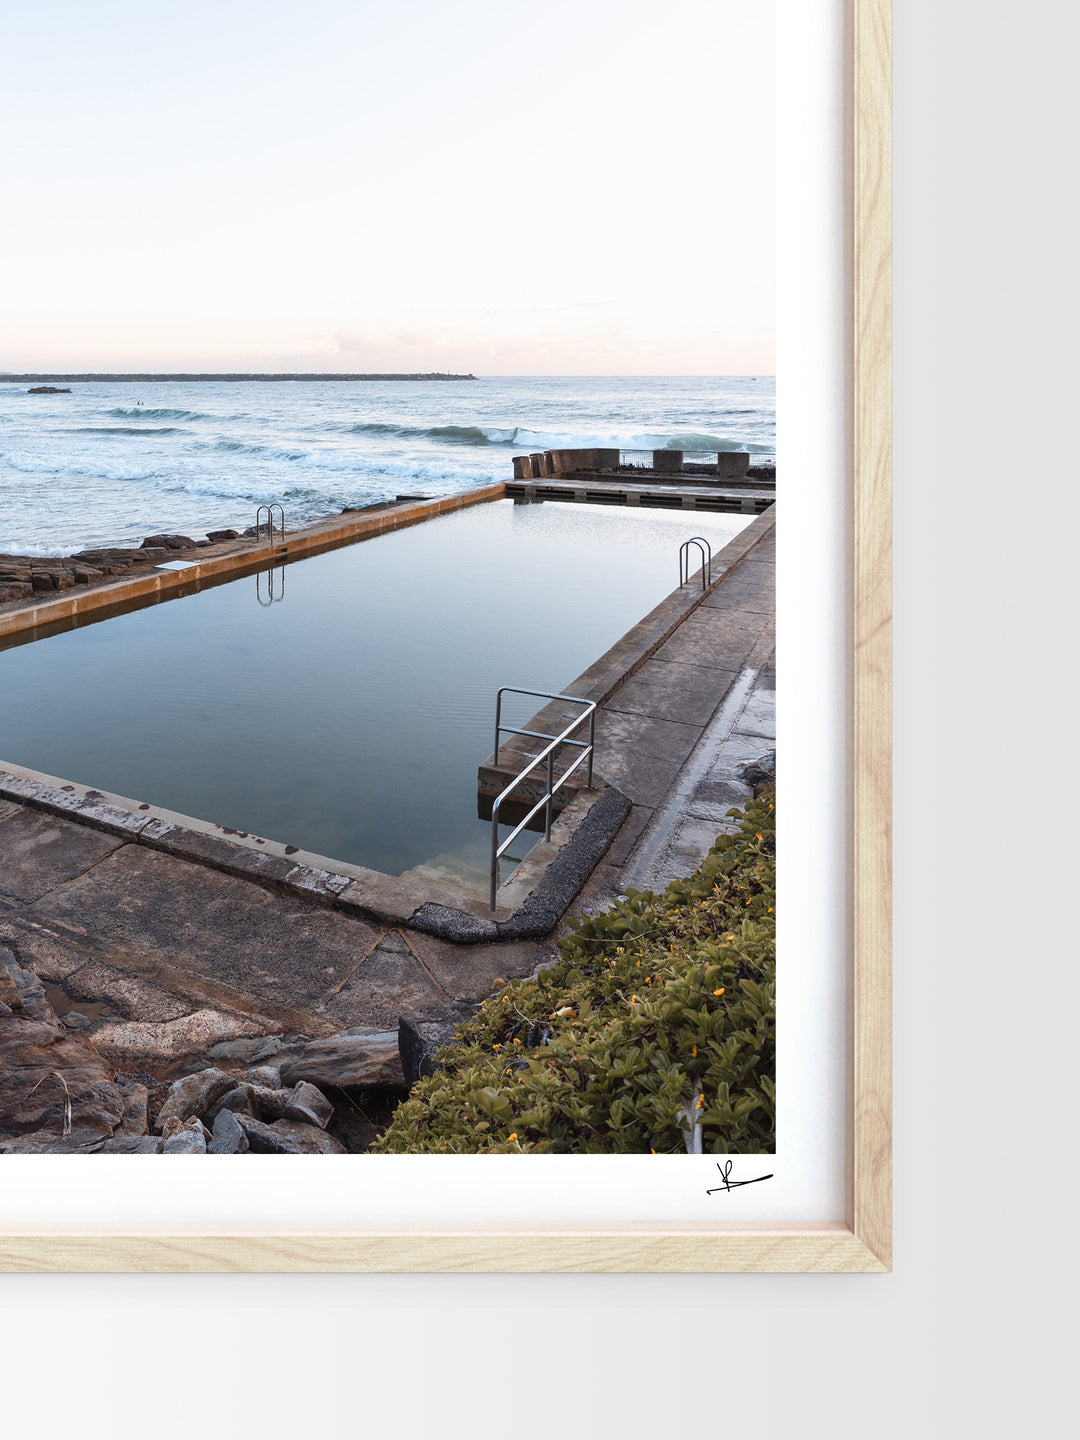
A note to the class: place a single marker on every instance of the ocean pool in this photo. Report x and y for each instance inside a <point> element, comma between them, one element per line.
<point>342,703</point>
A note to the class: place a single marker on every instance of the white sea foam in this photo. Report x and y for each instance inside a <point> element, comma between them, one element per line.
<point>98,467</point>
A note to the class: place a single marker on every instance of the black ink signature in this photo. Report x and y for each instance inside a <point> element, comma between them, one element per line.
<point>729,1184</point>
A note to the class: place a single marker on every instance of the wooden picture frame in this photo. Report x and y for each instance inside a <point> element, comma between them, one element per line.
<point>862,1242</point>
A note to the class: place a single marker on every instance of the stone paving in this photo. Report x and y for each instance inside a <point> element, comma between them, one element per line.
<point>681,763</point>
<point>147,940</point>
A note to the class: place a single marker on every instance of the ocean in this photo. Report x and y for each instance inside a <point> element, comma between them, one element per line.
<point>114,462</point>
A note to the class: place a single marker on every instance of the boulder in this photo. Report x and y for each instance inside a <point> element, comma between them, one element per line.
<point>52,1080</point>
<point>228,1137</point>
<point>185,1142</point>
<point>135,1042</point>
<point>309,1105</point>
<point>359,1058</point>
<point>241,1099</point>
<point>288,1137</point>
<point>168,542</point>
<point>135,1121</point>
<point>248,1052</point>
<point>9,991</point>
<point>268,1076</point>
<point>134,1145</point>
<point>419,1037</point>
<point>215,535</point>
<point>175,1125</point>
<point>194,1095</point>
<point>46,1142</point>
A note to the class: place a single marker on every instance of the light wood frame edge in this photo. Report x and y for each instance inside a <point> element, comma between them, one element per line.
<point>861,1245</point>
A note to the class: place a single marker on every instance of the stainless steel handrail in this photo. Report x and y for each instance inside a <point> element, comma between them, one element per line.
<point>548,755</point>
<point>270,521</point>
<point>706,561</point>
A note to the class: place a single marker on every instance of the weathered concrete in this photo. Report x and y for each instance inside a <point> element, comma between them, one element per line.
<point>38,852</point>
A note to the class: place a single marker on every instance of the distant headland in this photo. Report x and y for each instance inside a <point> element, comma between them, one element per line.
<point>141,377</point>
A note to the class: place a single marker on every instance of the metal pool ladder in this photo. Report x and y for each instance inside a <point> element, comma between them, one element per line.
<point>270,527</point>
<point>706,561</point>
<point>546,757</point>
<point>274,578</point>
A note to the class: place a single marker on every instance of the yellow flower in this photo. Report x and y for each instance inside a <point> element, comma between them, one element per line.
<point>512,1136</point>
<point>700,1101</point>
<point>693,1050</point>
<point>633,999</point>
<point>496,1046</point>
<point>720,991</point>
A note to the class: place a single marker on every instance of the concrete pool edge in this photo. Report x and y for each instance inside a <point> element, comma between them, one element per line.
<point>533,898</point>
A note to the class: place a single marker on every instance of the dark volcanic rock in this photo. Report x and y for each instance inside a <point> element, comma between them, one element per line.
<point>421,1035</point>
<point>215,535</point>
<point>288,1137</point>
<point>229,1137</point>
<point>133,1145</point>
<point>47,390</point>
<point>185,1142</point>
<point>169,542</point>
<point>241,1100</point>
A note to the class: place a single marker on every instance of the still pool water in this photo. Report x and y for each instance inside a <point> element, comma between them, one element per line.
<point>349,716</point>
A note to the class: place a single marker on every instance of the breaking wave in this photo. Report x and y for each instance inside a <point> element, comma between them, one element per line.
<point>161,412</point>
<point>129,430</point>
<point>524,437</point>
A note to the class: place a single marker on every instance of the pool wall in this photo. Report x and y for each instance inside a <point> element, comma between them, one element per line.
<point>229,559</point>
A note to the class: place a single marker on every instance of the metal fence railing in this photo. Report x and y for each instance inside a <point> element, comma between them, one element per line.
<point>636,459</point>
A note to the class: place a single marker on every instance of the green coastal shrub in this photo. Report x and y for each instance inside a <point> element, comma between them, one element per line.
<point>653,1031</point>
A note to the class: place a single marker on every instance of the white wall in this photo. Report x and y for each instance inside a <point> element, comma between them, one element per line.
<point>985,304</point>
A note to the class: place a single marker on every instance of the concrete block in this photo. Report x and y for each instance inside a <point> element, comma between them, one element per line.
<point>732,462</point>
<point>667,462</point>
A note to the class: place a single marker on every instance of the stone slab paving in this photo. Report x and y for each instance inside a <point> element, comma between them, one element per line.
<point>681,794</point>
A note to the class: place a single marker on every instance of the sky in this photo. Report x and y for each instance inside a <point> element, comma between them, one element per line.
<point>580,187</point>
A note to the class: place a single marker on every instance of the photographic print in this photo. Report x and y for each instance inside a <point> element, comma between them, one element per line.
<point>388,497</point>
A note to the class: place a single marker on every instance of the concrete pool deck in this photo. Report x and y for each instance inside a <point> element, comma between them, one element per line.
<point>172,953</point>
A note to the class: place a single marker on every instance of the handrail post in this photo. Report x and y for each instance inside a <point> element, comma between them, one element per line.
<point>494,851</point>
<point>550,794</point>
<point>592,747</point>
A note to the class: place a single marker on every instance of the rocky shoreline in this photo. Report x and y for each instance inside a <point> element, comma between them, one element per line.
<point>270,1094</point>
<point>24,576</point>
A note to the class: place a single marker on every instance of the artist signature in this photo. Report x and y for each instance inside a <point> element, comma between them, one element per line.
<point>729,1184</point>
